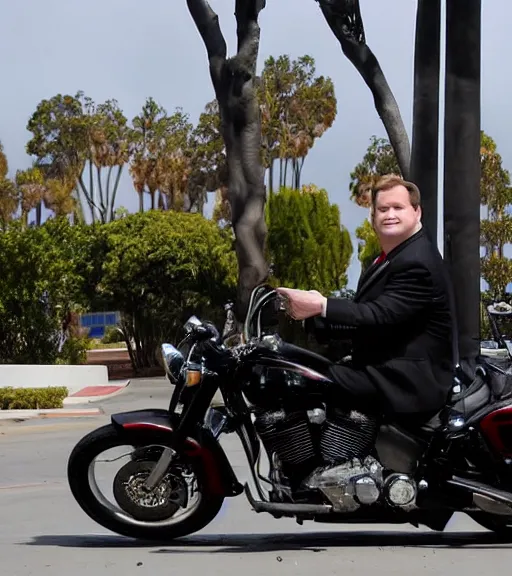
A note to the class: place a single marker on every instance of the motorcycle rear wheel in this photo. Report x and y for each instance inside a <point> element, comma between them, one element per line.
<point>79,466</point>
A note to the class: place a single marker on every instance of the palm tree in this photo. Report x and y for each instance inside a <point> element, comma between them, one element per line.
<point>9,195</point>
<point>31,186</point>
<point>145,142</point>
<point>59,195</point>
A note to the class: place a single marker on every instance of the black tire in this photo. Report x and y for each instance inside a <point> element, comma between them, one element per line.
<point>105,438</point>
<point>501,526</point>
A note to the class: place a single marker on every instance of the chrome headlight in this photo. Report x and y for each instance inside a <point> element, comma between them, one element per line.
<point>173,361</point>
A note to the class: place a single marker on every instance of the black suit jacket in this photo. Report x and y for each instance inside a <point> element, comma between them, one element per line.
<point>403,320</point>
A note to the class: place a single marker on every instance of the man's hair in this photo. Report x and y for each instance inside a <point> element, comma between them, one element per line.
<point>390,181</point>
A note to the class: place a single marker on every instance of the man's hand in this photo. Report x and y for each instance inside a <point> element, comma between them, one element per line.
<point>302,304</point>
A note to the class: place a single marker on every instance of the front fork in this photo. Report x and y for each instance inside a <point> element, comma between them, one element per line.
<point>194,411</point>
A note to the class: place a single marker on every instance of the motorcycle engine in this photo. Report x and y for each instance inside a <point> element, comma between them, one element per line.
<point>305,440</point>
<point>329,451</point>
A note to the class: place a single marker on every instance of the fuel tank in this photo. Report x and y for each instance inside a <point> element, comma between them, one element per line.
<point>287,376</point>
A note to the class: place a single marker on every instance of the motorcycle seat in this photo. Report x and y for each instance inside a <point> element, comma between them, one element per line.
<point>471,399</point>
<point>305,357</point>
<point>466,403</point>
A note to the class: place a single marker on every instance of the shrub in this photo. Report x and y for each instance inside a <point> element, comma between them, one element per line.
<point>74,351</point>
<point>32,398</point>
<point>112,335</point>
<point>46,272</point>
<point>307,246</point>
<point>159,269</point>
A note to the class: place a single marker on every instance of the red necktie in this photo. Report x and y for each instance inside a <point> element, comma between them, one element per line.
<point>380,258</point>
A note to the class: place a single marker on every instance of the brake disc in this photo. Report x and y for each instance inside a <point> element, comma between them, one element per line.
<point>143,504</point>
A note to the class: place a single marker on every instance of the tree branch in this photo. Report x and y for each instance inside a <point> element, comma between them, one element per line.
<point>88,197</point>
<point>235,88</point>
<point>345,20</point>
<point>207,23</point>
<point>248,30</point>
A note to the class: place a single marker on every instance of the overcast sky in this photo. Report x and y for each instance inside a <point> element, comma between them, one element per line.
<point>129,50</point>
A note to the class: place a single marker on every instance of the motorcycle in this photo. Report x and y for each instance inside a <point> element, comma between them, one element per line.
<point>325,464</point>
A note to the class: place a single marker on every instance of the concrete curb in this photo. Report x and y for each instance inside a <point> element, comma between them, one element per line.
<point>82,396</point>
<point>53,413</point>
<point>96,393</point>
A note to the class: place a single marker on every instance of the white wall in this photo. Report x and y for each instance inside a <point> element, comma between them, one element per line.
<point>41,376</point>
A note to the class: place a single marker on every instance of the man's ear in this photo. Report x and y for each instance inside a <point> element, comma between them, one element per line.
<point>418,214</point>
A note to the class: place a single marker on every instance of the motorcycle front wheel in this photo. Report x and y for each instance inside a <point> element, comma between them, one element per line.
<point>140,514</point>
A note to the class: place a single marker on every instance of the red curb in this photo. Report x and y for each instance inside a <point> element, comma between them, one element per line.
<point>96,391</point>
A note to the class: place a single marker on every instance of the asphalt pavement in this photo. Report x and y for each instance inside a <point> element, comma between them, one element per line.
<point>43,531</point>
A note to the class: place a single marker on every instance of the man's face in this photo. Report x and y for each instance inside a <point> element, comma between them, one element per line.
<point>394,216</point>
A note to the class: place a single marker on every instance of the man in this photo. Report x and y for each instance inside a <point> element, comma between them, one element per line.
<point>402,358</point>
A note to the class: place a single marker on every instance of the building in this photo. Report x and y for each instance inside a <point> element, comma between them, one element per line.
<point>97,322</point>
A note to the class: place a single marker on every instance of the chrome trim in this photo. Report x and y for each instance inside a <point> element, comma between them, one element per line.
<point>246,443</point>
<point>216,421</point>
<point>122,516</point>
<point>173,361</point>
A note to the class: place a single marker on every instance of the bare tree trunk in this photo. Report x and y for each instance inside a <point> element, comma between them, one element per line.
<point>425,131</point>
<point>234,83</point>
<point>344,19</point>
<point>299,175</point>
<point>462,167</point>
<point>114,191</point>
<point>39,213</point>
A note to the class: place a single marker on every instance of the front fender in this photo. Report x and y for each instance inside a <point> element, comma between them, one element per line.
<point>220,477</point>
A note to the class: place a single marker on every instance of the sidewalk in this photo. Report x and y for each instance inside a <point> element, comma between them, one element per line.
<point>95,393</point>
<point>84,396</point>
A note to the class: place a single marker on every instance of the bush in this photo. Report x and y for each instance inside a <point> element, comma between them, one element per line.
<point>32,398</point>
<point>74,351</point>
<point>46,272</point>
<point>112,335</point>
<point>159,268</point>
<point>307,246</point>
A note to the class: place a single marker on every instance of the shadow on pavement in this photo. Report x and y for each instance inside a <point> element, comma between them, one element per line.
<point>313,541</point>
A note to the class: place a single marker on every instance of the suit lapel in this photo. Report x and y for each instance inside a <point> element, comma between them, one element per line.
<point>370,278</point>
<point>367,273</point>
<point>374,271</point>
<point>364,275</point>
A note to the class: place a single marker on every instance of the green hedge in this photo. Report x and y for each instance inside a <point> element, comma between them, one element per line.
<point>32,398</point>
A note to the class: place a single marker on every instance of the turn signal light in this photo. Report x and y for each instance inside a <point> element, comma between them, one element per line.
<point>193,377</point>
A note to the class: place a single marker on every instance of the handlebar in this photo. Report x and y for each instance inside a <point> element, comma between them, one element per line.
<point>254,311</point>
<point>204,331</point>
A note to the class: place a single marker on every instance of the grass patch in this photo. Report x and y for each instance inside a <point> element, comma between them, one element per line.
<point>98,345</point>
<point>32,398</point>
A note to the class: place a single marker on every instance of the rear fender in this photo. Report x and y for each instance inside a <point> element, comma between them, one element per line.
<point>218,472</point>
